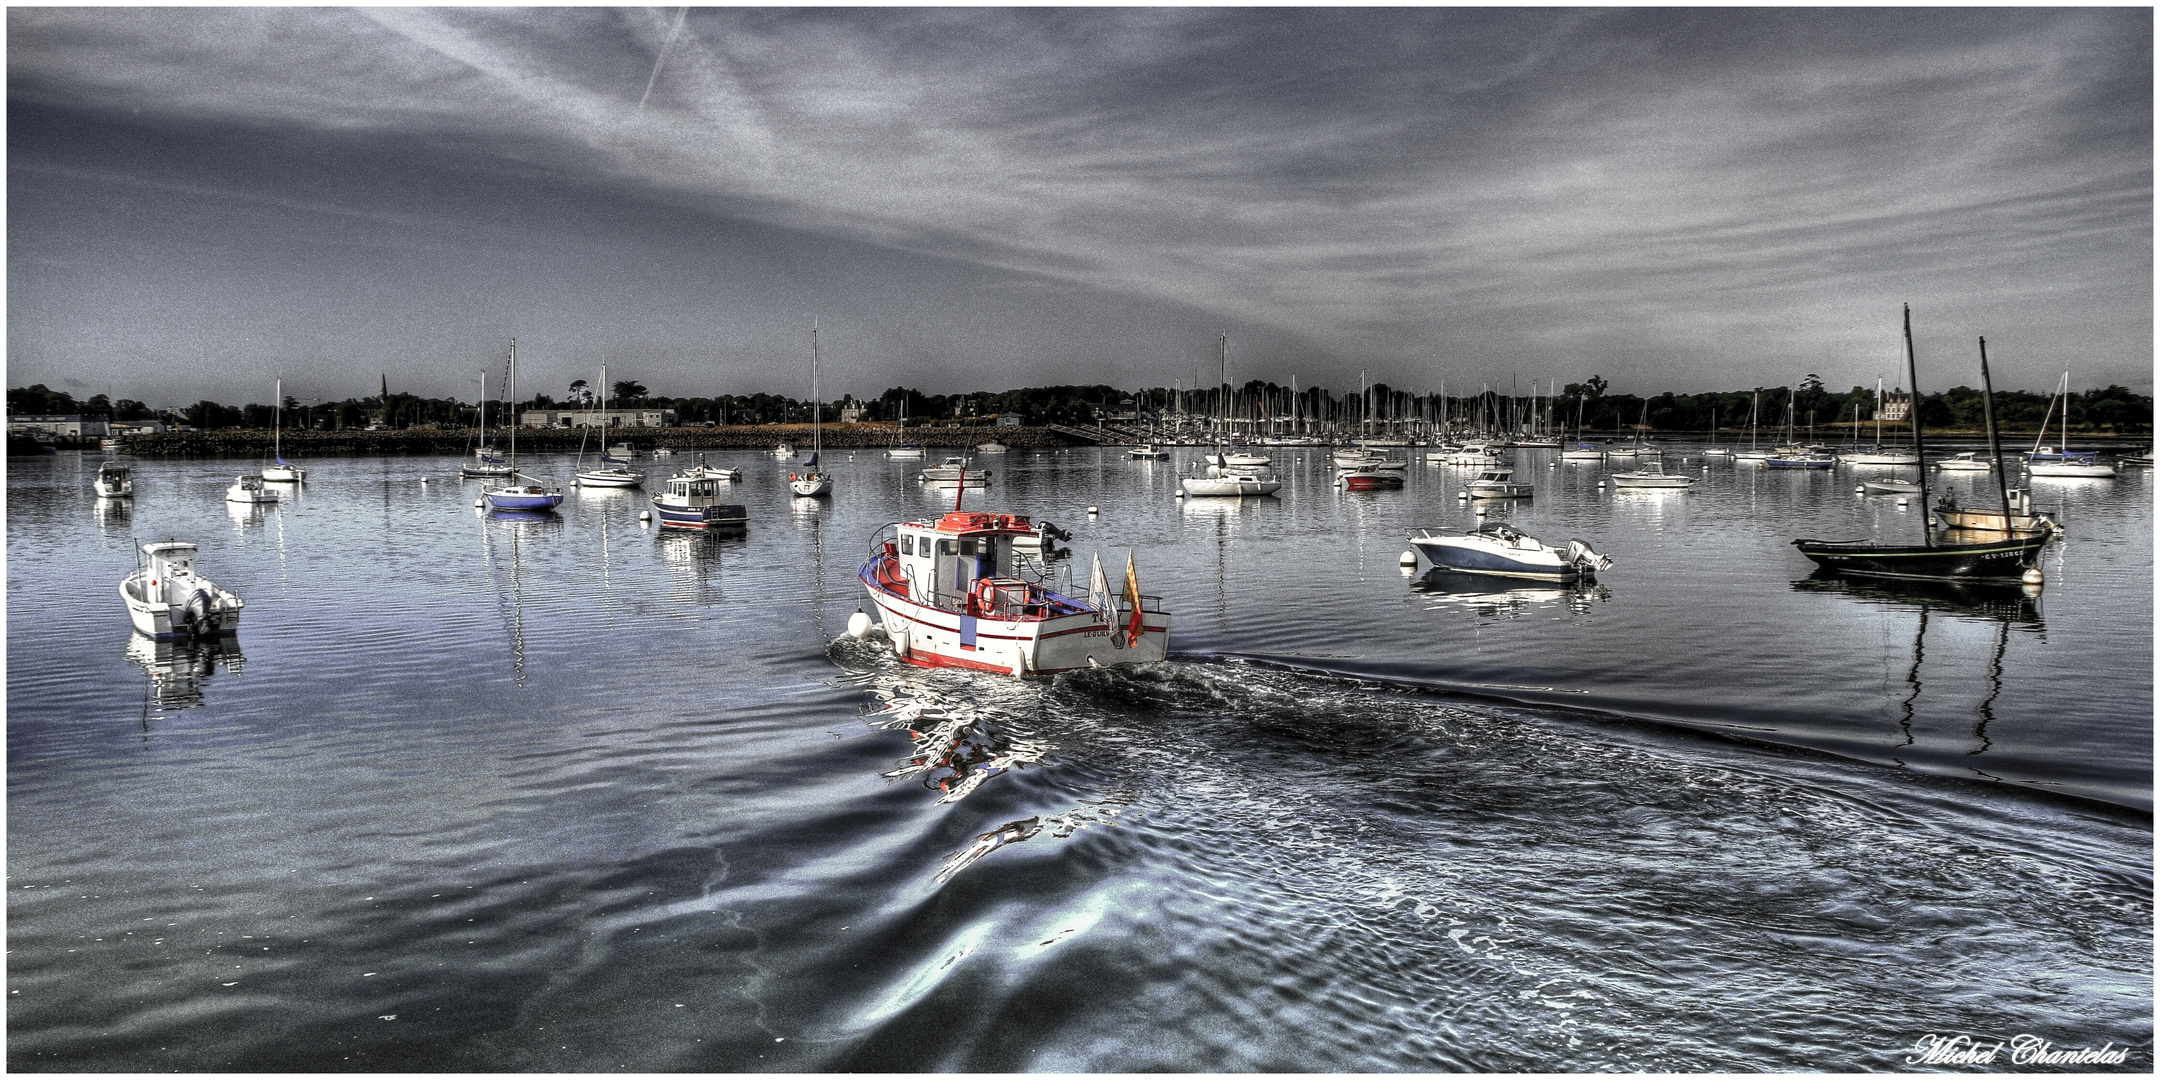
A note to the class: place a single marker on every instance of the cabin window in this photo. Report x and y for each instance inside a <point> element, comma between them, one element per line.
<point>907,544</point>
<point>967,547</point>
<point>948,547</point>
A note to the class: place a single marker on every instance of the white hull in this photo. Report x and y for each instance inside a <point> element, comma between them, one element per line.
<point>1230,485</point>
<point>609,478</point>
<point>1504,552</point>
<point>811,486</point>
<point>903,454</point>
<point>246,494</point>
<point>1651,480</point>
<point>2039,468</point>
<point>284,474</point>
<point>1907,460</point>
<point>165,598</point>
<point>932,637</point>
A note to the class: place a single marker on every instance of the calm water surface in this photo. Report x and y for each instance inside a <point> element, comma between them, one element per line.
<point>574,794</point>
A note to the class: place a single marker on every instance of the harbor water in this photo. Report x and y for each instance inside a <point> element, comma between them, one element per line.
<point>570,792</point>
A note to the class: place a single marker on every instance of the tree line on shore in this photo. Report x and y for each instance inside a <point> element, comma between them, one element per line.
<point>2110,408</point>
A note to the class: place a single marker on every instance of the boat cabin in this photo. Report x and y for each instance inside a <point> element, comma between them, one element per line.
<point>168,560</point>
<point>1494,476</point>
<point>693,492</point>
<point>964,561</point>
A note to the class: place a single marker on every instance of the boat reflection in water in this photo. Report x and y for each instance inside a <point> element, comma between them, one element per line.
<point>2007,602</point>
<point>174,669</point>
<point>1492,596</point>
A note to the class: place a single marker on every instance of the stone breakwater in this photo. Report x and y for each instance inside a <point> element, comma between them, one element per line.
<point>240,442</point>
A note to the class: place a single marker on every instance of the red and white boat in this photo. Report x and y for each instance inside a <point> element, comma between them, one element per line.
<point>949,594</point>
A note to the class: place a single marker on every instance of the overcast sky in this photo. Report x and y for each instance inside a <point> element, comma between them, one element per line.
<point>202,199</point>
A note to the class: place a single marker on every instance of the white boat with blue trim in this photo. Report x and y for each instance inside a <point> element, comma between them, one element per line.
<point>1502,550</point>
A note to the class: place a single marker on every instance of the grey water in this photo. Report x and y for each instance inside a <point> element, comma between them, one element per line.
<point>574,793</point>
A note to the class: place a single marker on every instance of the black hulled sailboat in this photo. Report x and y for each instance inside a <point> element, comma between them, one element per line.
<point>1966,555</point>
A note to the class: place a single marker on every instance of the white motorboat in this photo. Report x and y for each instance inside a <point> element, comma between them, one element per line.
<point>1500,549</point>
<point>1369,478</point>
<point>954,470</point>
<point>166,598</point>
<point>905,452</point>
<point>991,447</point>
<point>1582,453</point>
<point>1240,459</point>
<point>693,502</point>
<point>783,452</point>
<point>249,491</point>
<point>114,481</point>
<point>1891,487</point>
<point>663,451</point>
<point>814,482</point>
<point>1968,462</point>
<point>702,471</point>
<point>1474,457</point>
<point>1148,452</point>
<point>948,594</point>
<point>1876,455</point>
<point>1497,484</point>
<point>1651,479</point>
<point>622,451</point>
<point>1232,482</point>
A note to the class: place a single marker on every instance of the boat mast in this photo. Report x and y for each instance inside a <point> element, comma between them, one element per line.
<point>277,423</point>
<point>1912,374</point>
<point>2061,389</point>
<point>513,412</point>
<point>817,403</point>
<point>1752,410</point>
<point>1987,409</point>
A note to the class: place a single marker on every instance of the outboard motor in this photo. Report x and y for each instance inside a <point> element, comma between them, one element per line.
<point>1050,535</point>
<point>195,615</point>
<point>1580,554</point>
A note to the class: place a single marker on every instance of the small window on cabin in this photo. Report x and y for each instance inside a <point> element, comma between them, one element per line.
<point>907,544</point>
<point>967,547</point>
<point>948,547</point>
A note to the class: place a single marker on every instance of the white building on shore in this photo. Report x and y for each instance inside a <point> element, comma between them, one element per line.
<point>616,418</point>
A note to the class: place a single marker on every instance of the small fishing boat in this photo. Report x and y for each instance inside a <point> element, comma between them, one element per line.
<point>621,452</point>
<point>693,502</point>
<point>1497,484</point>
<point>1500,549</point>
<point>1962,555</point>
<point>813,483</point>
<point>1148,452</point>
<point>1651,478</point>
<point>249,491</point>
<point>1966,462</point>
<point>991,447</point>
<point>1890,487</point>
<point>948,594</point>
<point>2023,518</point>
<point>530,497</point>
<point>166,599</point>
<point>1473,457</point>
<point>663,451</point>
<point>114,481</point>
<point>783,452</point>
<point>1369,478</point>
<point>280,471</point>
<point>110,444</point>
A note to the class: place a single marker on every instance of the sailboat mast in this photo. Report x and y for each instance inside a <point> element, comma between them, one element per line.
<point>277,423</point>
<point>1987,409</point>
<point>513,411</point>
<point>817,401</point>
<point>1912,373</point>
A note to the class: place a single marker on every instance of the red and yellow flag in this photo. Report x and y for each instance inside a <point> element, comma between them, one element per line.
<point>1132,599</point>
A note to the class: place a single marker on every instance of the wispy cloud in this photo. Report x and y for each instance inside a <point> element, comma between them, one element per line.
<point>1663,195</point>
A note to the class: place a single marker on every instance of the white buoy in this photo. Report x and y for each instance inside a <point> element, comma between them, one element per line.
<point>1858,488</point>
<point>858,625</point>
<point>1462,496</point>
<point>644,515</point>
<point>2033,576</point>
<point>1901,500</point>
<point>423,481</point>
<point>1601,483</point>
<point>1181,493</point>
<point>1091,510</point>
<point>1409,558</point>
<point>1480,511</point>
<point>479,502</point>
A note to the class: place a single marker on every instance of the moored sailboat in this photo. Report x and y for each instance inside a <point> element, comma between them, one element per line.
<point>530,496</point>
<point>813,482</point>
<point>1971,556</point>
